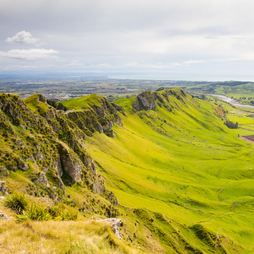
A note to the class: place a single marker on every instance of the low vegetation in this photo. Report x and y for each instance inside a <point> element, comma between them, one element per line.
<point>59,237</point>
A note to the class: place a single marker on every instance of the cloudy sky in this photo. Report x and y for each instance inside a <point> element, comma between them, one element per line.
<point>157,39</point>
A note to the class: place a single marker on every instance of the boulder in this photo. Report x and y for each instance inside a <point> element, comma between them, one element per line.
<point>115,225</point>
<point>3,188</point>
<point>3,171</point>
<point>4,216</point>
<point>42,179</point>
<point>22,165</point>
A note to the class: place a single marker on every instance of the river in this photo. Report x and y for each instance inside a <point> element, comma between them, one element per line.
<point>231,101</point>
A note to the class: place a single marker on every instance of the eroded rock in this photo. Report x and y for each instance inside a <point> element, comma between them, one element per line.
<point>22,165</point>
<point>71,163</point>
<point>42,179</point>
<point>145,101</point>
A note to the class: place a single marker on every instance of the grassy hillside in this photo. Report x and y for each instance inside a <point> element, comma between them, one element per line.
<point>185,164</point>
<point>83,102</point>
<point>183,179</point>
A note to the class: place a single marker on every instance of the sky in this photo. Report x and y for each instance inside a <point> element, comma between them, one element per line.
<point>143,39</point>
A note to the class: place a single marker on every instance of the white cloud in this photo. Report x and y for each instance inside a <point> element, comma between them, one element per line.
<point>30,54</point>
<point>194,62</point>
<point>23,37</point>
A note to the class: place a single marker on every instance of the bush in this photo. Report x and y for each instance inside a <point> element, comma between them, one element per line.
<point>69,215</point>
<point>231,125</point>
<point>18,202</point>
<point>57,213</point>
<point>61,213</point>
<point>37,213</point>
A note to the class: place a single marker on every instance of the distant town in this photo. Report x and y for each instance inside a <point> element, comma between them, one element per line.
<point>71,87</point>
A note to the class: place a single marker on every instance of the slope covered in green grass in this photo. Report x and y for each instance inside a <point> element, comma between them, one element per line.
<point>82,102</point>
<point>185,164</point>
<point>184,181</point>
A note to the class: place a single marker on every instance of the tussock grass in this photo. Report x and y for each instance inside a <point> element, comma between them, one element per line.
<point>60,237</point>
<point>27,210</point>
<point>18,202</point>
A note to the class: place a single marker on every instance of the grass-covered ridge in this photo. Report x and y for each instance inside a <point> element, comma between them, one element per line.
<point>182,161</point>
<point>83,102</point>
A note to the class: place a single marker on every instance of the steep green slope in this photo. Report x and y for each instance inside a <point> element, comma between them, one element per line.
<point>182,161</point>
<point>42,152</point>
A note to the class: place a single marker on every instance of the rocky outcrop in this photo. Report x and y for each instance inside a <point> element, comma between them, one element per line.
<point>95,119</point>
<point>42,179</point>
<point>22,165</point>
<point>89,163</point>
<point>3,188</point>
<point>17,164</point>
<point>71,163</point>
<point>110,133</point>
<point>58,167</point>
<point>3,171</point>
<point>145,101</point>
<point>115,225</point>
<point>4,216</point>
<point>108,126</point>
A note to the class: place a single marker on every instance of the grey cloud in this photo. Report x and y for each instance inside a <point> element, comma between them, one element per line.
<point>145,32</point>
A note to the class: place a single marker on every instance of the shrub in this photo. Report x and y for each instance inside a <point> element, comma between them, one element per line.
<point>69,215</point>
<point>61,213</point>
<point>35,212</point>
<point>55,211</point>
<point>18,202</point>
<point>231,125</point>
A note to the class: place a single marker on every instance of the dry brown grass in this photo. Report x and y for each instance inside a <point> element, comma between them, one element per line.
<point>56,237</point>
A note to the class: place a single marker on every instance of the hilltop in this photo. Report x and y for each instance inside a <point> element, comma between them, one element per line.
<point>163,162</point>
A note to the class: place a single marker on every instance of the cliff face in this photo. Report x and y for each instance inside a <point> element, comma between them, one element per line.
<point>147,100</point>
<point>50,144</point>
<point>97,117</point>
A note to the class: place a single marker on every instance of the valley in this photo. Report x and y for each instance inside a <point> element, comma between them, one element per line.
<point>177,176</point>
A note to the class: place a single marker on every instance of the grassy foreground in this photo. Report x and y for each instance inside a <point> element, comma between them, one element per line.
<point>59,237</point>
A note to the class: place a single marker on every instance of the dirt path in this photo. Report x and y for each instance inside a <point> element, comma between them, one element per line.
<point>248,138</point>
